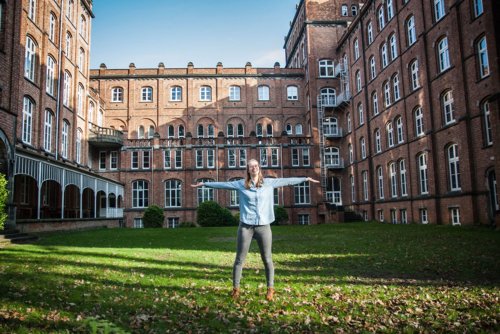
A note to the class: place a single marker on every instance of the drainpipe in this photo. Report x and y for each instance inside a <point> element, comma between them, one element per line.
<point>60,82</point>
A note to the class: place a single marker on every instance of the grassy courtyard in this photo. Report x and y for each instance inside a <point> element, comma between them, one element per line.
<point>362,277</point>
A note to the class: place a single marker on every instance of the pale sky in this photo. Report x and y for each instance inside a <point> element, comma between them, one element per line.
<point>175,32</point>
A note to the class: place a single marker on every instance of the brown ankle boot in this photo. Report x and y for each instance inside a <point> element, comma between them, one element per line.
<point>235,293</point>
<point>270,294</point>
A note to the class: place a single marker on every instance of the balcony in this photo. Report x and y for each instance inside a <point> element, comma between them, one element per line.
<point>333,132</point>
<point>334,163</point>
<point>105,137</point>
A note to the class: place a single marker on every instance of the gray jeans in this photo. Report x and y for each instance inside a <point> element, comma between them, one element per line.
<point>264,237</point>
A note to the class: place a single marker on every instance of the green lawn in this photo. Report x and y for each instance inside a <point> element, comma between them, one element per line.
<point>363,277</point>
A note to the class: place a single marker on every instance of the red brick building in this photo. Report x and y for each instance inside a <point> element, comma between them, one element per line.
<point>414,87</point>
<point>393,104</point>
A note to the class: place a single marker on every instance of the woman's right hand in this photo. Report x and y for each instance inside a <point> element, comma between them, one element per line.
<point>199,184</point>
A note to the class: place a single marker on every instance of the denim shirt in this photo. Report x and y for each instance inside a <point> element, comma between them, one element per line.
<point>256,204</point>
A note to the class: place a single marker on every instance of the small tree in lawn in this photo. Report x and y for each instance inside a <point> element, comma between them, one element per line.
<point>210,213</point>
<point>4,193</point>
<point>153,216</point>
<point>280,215</point>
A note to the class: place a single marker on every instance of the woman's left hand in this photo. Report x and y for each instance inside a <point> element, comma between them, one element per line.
<point>310,179</point>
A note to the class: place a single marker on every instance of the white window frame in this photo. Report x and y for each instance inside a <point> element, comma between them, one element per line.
<point>361,114</point>
<point>147,94</point>
<point>454,167</point>
<point>455,216</point>
<point>482,55</point>
<point>173,193</point>
<point>387,93</point>
<point>380,182</point>
<point>373,68</point>
<point>381,18</point>
<point>378,141</point>
<point>399,130</point>
<point>403,178</point>
<point>51,71</point>
<point>30,59</point>
<point>102,160</point>
<point>326,68</point>
<point>419,121</point>
<point>113,160</point>
<point>363,147</point>
<point>302,194</point>
<point>393,45</point>
<point>443,54</point>
<point>78,146</point>
<point>424,216</point>
<point>448,109</point>
<point>292,93</point>
<point>140,194</point>
<point>47,131</point>
<point>375,104</point>
<point>396,90</point>
<point>176,94</point>
<point>384,56</point>
<point>369,29</point>
<point>234,93</point>
<point>32,10</point>
<point>415,81</point>
<point>356,49</point>
<point>393,179</point>
<point>411,30</point>
<point>52,27</point>
<point>27,127</point>
<point>263,93</point>
<point>439,10</point>
<point>364,175</point>
<point>478,8</point>
<point>67,89</point>
<point>423,179</point>
<point>488,132</point>
<point>65,135</point>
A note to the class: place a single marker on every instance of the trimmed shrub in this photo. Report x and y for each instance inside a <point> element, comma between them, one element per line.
<point>280,215</point>
<point>210,213</point>
<point>4,194</point>
<point>188,224</point>
<point>153,217</point>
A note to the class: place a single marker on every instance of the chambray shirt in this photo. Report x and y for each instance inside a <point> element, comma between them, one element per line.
<point>256,204</point>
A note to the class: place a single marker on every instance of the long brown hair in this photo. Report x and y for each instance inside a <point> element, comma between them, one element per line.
<point>248,179</point>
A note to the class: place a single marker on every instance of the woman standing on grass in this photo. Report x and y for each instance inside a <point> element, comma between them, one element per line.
<point>256,214</point>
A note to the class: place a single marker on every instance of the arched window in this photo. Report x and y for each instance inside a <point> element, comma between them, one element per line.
<point>402,177</point>
<point>378,141</point>
<point>349,123</point>
<point>200,131</point>
<point>180,131</point>
<point>298,129</point>
<point>176,93</point>
<point>151,131</point>
<point>78,146</point>
<point>147,94</point>
<point>375,103</point>
<point>67,88</point>
<point>90,116</point>
<point>390,9</point>
<point>47,130</point>
<point>258,129</point>
<point>394,46</point>
<point>234,93</point>
<point>51,78</point>
<point>170,131</point>
<point>140,132</point>
<point>356,49</point>
<point>394,179</point>
<point>140,194</point>
<point>454,167</point>
<point>81,60</point>
<point>328,97</point>
<point>351,153</point>
<point>381,18</point>
<point>211,131</point>
<point>83,27</point>
<point>482,56</point>
<point>419,121</point>
<point>69,39</point>
<point>380,182</point>
<point>361,114</point>
<point>373,69</point>
<point>230,130</point>
<point>289,129</point>
<point>52,27</point>
<point>65,135</point>
<point>369,30</point>
<point>411,31</point>
<point>28,107</point>
<point>438,9</point>
<point>387,93</point>
<point>173,194</point>
<point>399,130</point>
<point>488,133</point>
<point>30,59</point>
<point>422,174</point>
<point>390,134</point>
<point>269,130</point>
<point>414,75</point>
<point>447,105</point>
<point>443,54</point>
<point>69,10</point>
<point>395,86</point>
<point>240,130</point>
<point>358,81</point>
<point>79,97</point>
<point>383,55</point>
<point>263,93</point>
<point>362,143</point>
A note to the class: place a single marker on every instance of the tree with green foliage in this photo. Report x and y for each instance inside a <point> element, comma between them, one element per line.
<point>153,216</point>
<point>280,215</point>
<point>210,213</point>
<point>4,194</point>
